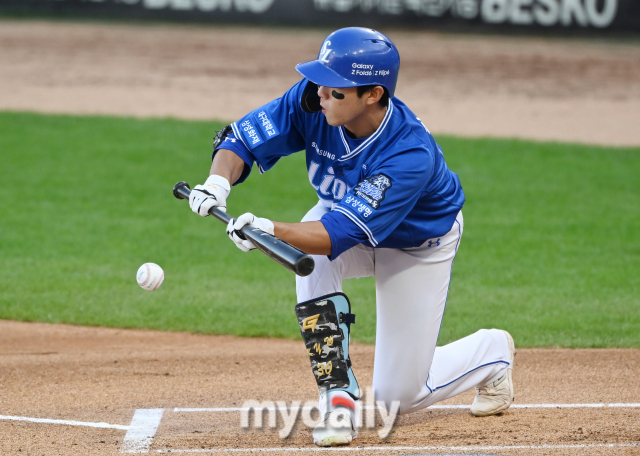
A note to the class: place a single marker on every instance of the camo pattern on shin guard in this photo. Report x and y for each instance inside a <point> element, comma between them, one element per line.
<point>324,326</point>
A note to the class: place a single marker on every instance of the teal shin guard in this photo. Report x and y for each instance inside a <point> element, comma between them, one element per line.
<point>324,324</point>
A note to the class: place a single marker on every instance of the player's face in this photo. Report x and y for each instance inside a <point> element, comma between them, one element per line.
<point>341,106</point>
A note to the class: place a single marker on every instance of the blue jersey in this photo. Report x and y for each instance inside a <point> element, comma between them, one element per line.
<point>392,189</point>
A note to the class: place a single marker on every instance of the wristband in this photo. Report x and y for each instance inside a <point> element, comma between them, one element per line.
<point>220,182</point>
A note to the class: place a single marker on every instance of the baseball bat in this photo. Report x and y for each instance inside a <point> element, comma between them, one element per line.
<point>287,255</point>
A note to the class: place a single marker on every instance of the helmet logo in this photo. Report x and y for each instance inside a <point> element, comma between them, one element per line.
<point>324,52</point>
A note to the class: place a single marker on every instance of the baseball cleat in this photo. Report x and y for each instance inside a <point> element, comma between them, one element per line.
<point>496,397</point>
<point>338,426</point>
<point>336,429</point>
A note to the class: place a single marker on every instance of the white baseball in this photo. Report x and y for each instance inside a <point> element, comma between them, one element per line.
<point>150,276</point>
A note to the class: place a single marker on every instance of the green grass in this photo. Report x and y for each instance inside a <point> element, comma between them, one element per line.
<point>551,249</point>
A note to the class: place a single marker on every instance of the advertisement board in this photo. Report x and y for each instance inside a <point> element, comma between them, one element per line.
<point>597,16</point>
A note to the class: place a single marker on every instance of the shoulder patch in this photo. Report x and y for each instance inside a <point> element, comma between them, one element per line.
<point>250,133</point>
<point>372,189</point>
<point>257,129</point>
<point>266,124</point>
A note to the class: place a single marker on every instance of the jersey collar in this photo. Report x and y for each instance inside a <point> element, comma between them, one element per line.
<point>352,153</point>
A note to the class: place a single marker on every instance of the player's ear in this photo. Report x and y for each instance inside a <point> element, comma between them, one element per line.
<point>375,94</point>
<point>310,101</point>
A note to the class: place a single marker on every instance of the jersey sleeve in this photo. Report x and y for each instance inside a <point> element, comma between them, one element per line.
<point>380,201</point>
<point>343,233</point>
<point>233,144</point>
<point>272,131</point>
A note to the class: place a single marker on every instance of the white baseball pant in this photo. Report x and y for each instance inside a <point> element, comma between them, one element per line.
<point>411,293</point>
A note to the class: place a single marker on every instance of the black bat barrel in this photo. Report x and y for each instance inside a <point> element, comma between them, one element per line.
<point>287,255</point>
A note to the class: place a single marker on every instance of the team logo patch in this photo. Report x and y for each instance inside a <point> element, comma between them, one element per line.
<point>372,189</point>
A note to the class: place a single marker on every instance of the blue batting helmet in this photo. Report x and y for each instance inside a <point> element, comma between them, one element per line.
<point>352,57</point>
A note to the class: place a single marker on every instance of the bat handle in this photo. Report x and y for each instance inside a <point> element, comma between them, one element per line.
<point>182,191</point>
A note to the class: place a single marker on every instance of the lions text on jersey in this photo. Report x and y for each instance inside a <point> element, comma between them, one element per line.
<point>391,189</point>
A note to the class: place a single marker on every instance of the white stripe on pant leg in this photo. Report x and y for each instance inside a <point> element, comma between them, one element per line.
<point>143,427</point>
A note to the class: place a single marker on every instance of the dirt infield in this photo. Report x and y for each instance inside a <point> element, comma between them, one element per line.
<point>550,89</point>
<point>68,390</point>
<point>97,375</point>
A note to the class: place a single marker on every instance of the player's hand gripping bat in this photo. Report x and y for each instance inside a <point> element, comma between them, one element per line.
<point>287,255</point>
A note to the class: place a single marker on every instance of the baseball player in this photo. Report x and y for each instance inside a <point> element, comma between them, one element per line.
<point>388,207</point>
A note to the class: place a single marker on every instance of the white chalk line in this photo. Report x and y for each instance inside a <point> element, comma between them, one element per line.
<point>143,428</point>
<point>145,423</point>
<point>406,448</point>
<point>67,422</point>
<point>433,407</point>
<point>241,409</point>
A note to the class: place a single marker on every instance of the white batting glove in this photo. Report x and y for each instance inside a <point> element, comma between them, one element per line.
<point>213,193</point>
<point>234,226</point>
